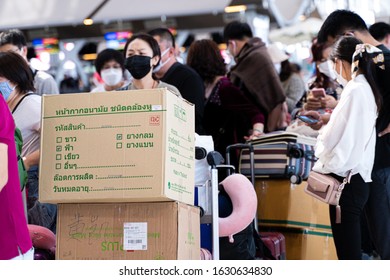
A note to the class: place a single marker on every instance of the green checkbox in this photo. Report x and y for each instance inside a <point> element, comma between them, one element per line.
<point>59,139</point>
<point>58,165</point>
<point>58,148</point>
<point>119,137</point>
<point>58,156</point>
<point>119,145</point>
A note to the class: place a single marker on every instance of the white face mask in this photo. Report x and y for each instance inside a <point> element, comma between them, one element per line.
<point>326,68</point>
<point>161,64</point>
<point>278,67</point>
<point>112,76</point>
<point>339,77</point>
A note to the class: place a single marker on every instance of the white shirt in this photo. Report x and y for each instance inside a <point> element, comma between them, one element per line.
<point>347,142</point>
<point>28,119</point>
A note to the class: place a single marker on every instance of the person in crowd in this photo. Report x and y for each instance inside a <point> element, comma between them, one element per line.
<point>17,90</point>
<point>70,83</point>
<point>254,73</point>
<point>377,210</point>
<point>142,56</point>
<point>352,121</point>
<point>185,79</point>
<point>110,65</point>
<point>15,241</point>
<point>381,32</point>
<point>14,40</point>
<point>324,78</point>
<point>229,116</point>
<point>293,85</point>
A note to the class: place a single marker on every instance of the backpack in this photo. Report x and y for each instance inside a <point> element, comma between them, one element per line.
<point>19,144</point>
<point>21,168</point>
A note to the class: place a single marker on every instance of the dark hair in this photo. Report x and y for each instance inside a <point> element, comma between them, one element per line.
<point>344,49</point>
<point>14,68</point>
<point>149,40</point>
<point>205,58</point>
<point>379,30</point>
<point>108,55</point>
<point>237,30</point>
<point>14,37</point>
<point>321,80</point>
<point>164,34</point>
<point>339,22</point>
<point>285,70</point>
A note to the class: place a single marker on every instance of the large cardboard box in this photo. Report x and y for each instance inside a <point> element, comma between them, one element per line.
<point>283,204</point>
<point>128,231</point>
<point>123,146</point>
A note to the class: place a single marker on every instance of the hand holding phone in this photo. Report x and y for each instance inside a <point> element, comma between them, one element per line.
<point>318,92</point>
<point>308,119</point>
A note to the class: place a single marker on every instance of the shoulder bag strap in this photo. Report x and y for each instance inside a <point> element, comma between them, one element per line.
<point>20,101</point>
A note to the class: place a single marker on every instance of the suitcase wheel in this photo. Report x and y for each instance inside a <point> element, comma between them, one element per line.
<point>295,179</point>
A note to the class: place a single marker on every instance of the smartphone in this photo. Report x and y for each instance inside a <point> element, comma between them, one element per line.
<point>308,120</point>
<point>318,92</point>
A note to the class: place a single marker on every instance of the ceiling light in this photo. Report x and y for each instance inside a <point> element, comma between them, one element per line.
<point>88,21</point>
<point>235,9</point>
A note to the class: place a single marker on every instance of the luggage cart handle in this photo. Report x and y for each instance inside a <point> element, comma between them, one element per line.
<point>241,146</point>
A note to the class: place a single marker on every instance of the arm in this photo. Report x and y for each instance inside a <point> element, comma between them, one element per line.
<point>385,131</point>
<point>234,100</point>
<point>3,165</point>
<point>294,92</point>
<point>345,137</point>
<point>31,159</point>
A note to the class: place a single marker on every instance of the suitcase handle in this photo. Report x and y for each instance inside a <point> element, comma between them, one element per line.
<point>240,146</point>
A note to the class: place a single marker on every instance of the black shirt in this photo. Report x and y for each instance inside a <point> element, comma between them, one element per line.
<point>191,88</point>
<point>382,149</point>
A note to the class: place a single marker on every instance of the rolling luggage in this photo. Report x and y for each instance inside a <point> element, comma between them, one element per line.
<point>276,243</point>
<point>280,155</point>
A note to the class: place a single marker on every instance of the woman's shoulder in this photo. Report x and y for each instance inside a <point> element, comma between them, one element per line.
<point>32,98</point>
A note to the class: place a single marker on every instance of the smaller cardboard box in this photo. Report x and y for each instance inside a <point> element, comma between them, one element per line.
<point>128,231</point>
<point>286,205</point>
<point>123,146</point>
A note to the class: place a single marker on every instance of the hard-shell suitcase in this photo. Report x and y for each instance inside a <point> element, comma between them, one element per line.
<point>276,243</point>
<point>280,155</point>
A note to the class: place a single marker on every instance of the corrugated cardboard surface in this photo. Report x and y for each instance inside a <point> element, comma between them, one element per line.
<point>96,231</point>
<point>125,146</point>
<point>281,204</point>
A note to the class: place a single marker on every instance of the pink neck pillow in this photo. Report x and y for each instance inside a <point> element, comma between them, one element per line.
<point>244,200</point>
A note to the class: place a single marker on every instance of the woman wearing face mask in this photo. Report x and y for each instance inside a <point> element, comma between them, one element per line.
<point>15,239</point>
<point>16,85</point>
<point>347,142</point>
<point>142,54</point>
<point>109,65</point>
<point>324,78</point>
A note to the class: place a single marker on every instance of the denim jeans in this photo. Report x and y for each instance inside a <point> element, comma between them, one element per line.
<point>378,211</point>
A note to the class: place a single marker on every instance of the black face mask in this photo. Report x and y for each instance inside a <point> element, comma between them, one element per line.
<point>138,66</point>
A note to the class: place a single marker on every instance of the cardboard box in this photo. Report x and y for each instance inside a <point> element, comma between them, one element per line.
<point>128,231</point>
<point>283,204</point>
<point>306,244</point>
<point>124,146</point>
